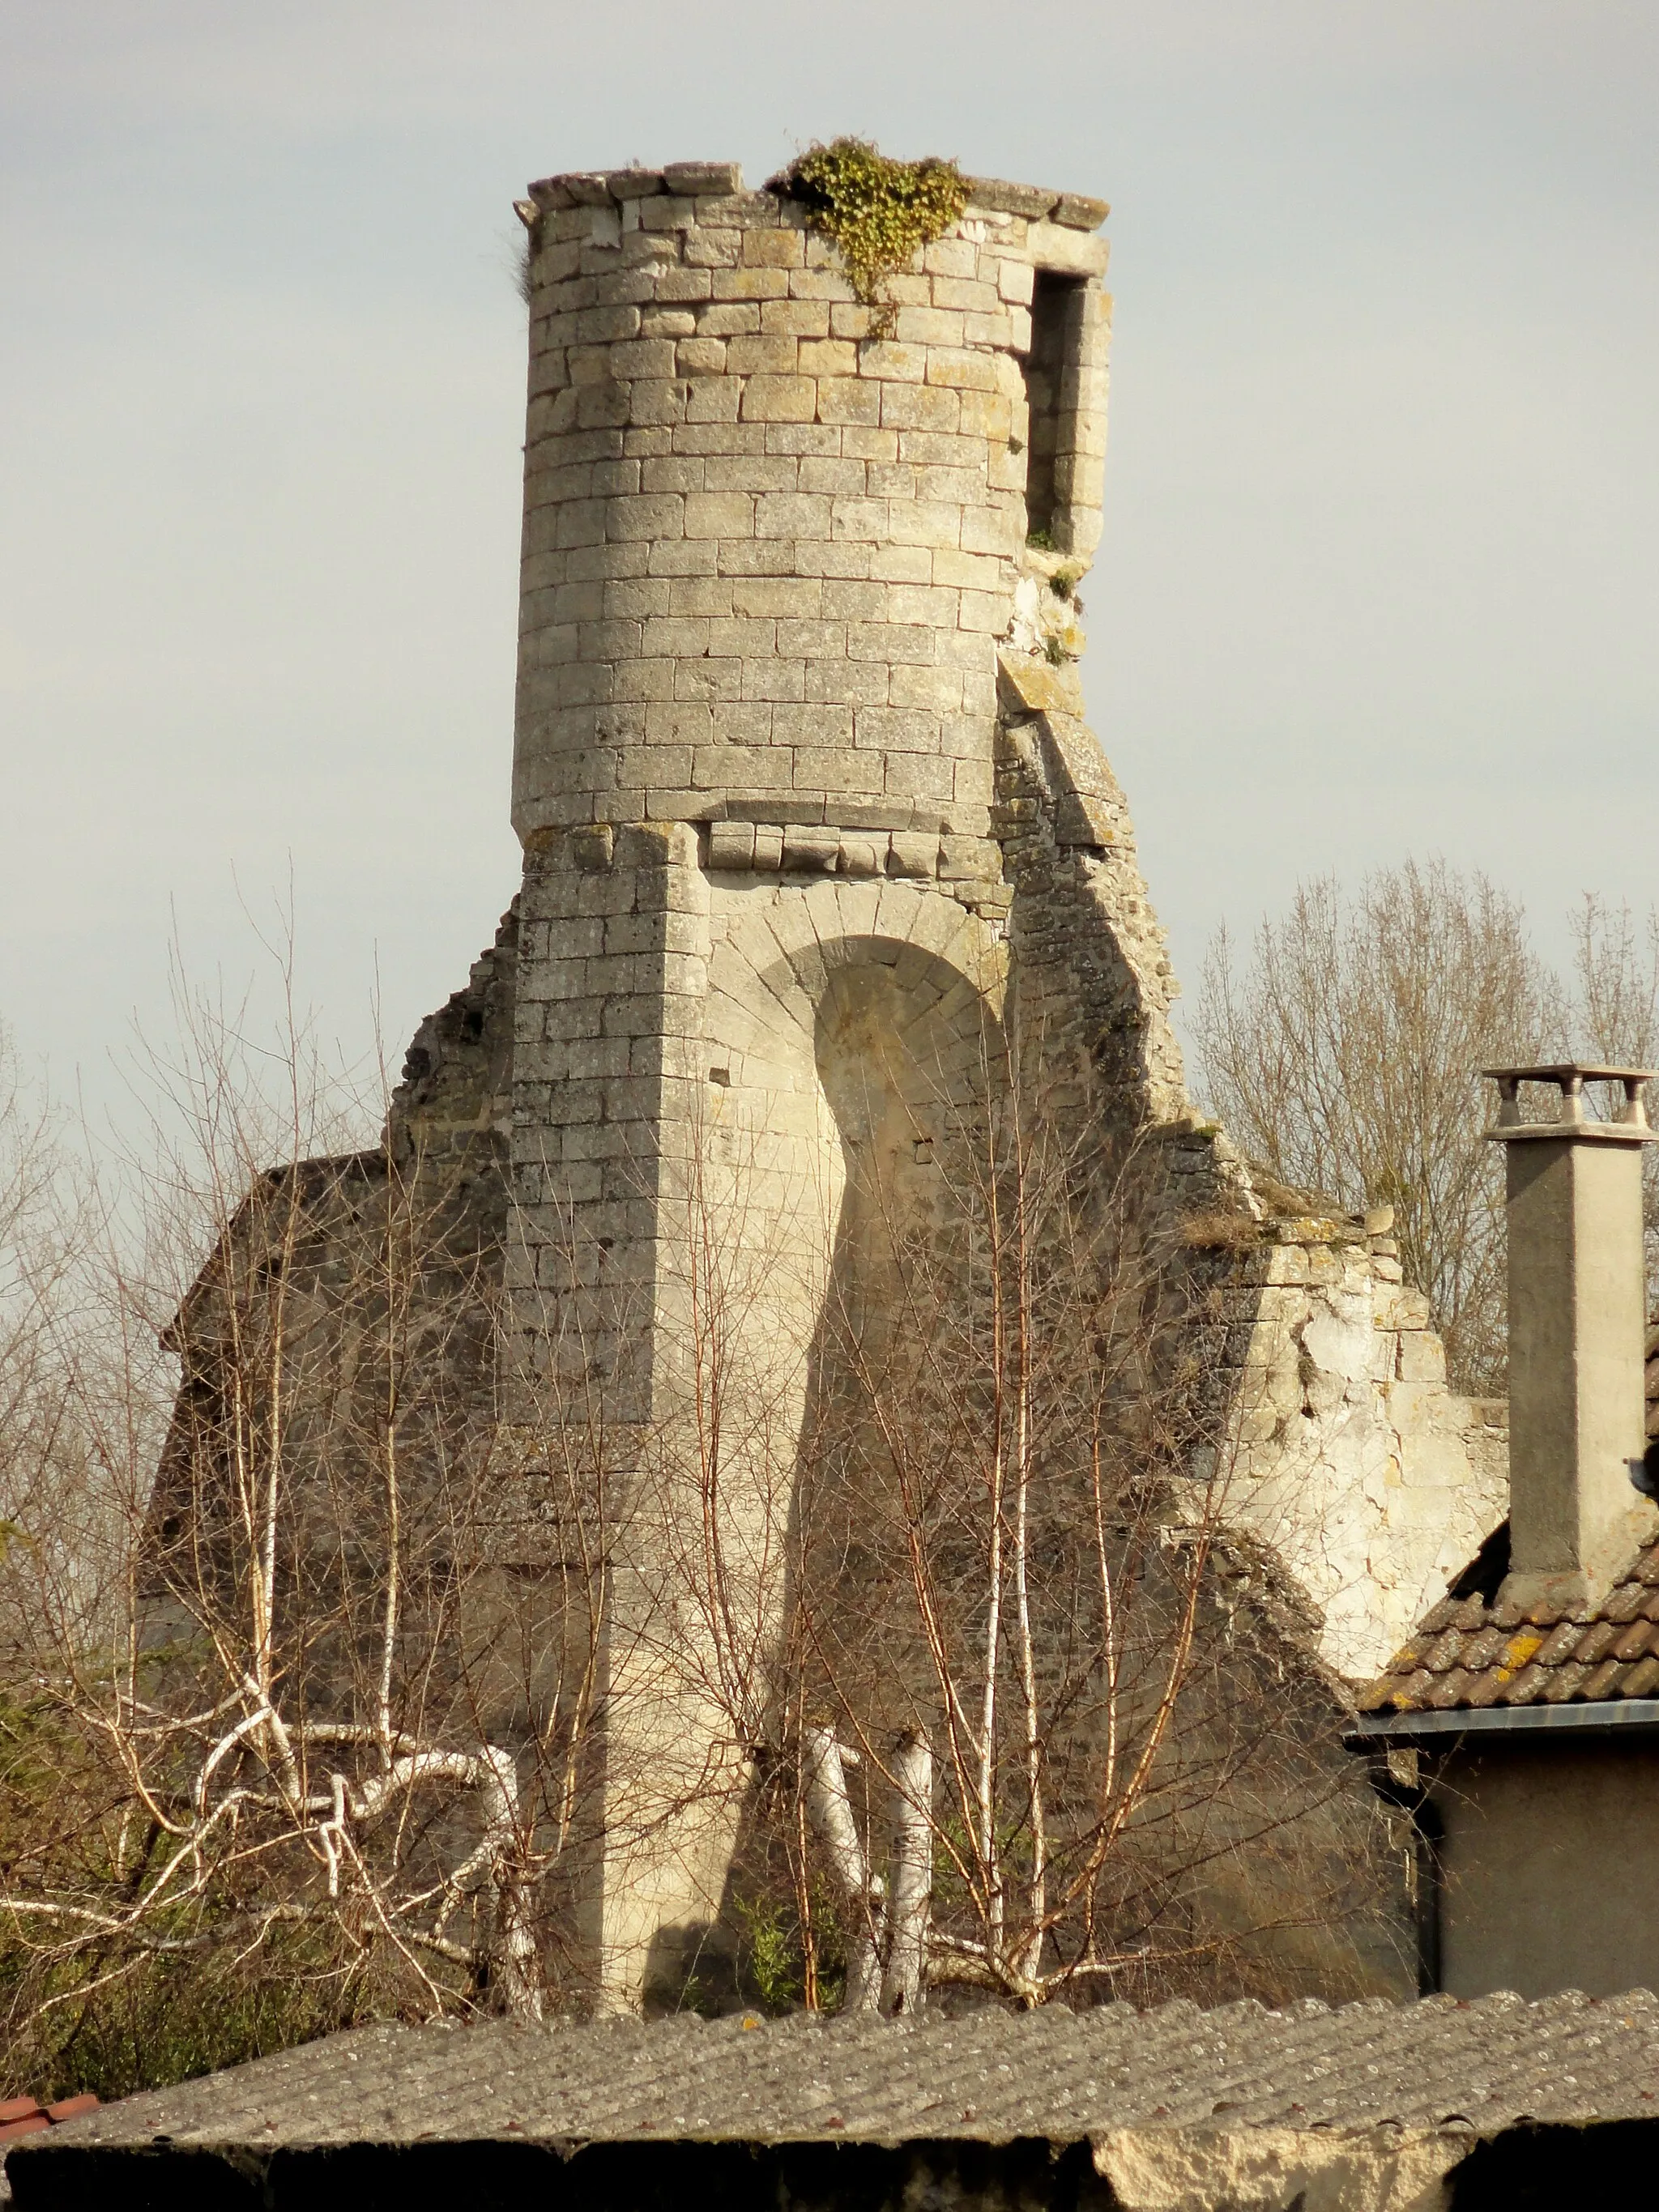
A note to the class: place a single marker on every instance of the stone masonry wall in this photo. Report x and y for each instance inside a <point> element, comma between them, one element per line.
<point>1373,1480</point>
<point>765,552</point>
<point>765,557</point>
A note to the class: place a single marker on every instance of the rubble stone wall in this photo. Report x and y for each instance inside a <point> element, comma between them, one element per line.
<point>1348,1452</point>
<point>1342,1445</point>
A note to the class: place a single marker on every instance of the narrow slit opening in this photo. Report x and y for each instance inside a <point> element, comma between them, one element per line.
<point>1056,303</point>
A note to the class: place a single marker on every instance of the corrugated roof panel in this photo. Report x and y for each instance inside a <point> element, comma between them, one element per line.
<point>988,2076</point>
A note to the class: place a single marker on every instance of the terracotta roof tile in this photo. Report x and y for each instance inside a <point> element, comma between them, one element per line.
<point>1477,1652</point>
<point>1524,1644</point>
<point>23,2116</point>
<point>1559,1645</point>
<point>1562,1681</point>
<point>1440,1616</point>
<point>1450,1689</point>
<point>1528,1687</point>
<point>1486,1686</point>
<point>1485,1649</point>
<point>1634,1641</point>
<point>1593,1643</point>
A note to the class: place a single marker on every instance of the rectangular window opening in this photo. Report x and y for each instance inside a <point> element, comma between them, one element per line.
<point>1056,338</point>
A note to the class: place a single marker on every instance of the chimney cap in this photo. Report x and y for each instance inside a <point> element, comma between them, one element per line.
<point>1561,1071</point>
<point>1627,1125</point>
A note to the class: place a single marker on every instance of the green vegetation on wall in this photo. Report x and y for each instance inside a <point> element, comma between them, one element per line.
<point>879,212</point>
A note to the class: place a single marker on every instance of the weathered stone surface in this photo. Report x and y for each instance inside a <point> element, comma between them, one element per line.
<point>722,179</point>
<point>1272,2169</point>
<point>1081,212</point>
<point>1029,200</point>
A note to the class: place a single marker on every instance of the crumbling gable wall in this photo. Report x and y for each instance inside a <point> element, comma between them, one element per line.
<point>1341,1445</point>
<point>1349,1454</point>
<point>454,1104</point>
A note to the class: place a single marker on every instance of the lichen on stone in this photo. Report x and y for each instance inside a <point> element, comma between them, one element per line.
<point>878,211</point>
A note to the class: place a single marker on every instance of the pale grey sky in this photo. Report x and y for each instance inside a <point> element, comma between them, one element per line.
<point>1380,561</point>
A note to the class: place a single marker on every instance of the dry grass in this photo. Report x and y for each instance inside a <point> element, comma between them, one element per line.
<point>1220,1230</point>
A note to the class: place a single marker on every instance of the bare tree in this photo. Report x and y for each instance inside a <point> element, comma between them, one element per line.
<point>1616,969</point>
<point>903,1577</point>
<point>1616,1015</point>
<point>306,1731</point>
<point>51,1508</point>
<point>1345,1059</point>
<point>1026,1718</point>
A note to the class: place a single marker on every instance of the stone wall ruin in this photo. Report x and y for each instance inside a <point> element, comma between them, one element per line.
<point>806,797</point>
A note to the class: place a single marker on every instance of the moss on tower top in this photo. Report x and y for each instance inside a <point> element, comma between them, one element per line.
<point>879,212</point>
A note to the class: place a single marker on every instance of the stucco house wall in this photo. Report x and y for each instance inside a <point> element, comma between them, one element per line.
<point>1549,1867</point>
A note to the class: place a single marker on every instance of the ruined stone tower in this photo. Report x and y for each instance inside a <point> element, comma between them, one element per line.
<point>801,778</point>
<point>816,840</point>
<point>769,558</point>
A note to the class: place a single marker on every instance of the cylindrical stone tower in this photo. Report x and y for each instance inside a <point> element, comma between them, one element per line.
<point>796,718</point>
<point>766,553</point>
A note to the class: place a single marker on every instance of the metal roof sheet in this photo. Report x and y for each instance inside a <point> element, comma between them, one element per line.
<point>987,2076</point>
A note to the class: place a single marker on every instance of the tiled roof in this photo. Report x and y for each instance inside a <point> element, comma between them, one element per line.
<point>21,2115</point>
<point>988,2077</point>
<point>1471,1651</point>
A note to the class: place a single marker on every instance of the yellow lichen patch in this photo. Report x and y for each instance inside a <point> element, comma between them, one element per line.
<point>1518,1652</point>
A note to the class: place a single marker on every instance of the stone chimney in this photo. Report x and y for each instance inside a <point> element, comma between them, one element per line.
<point>1577,1326</point>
